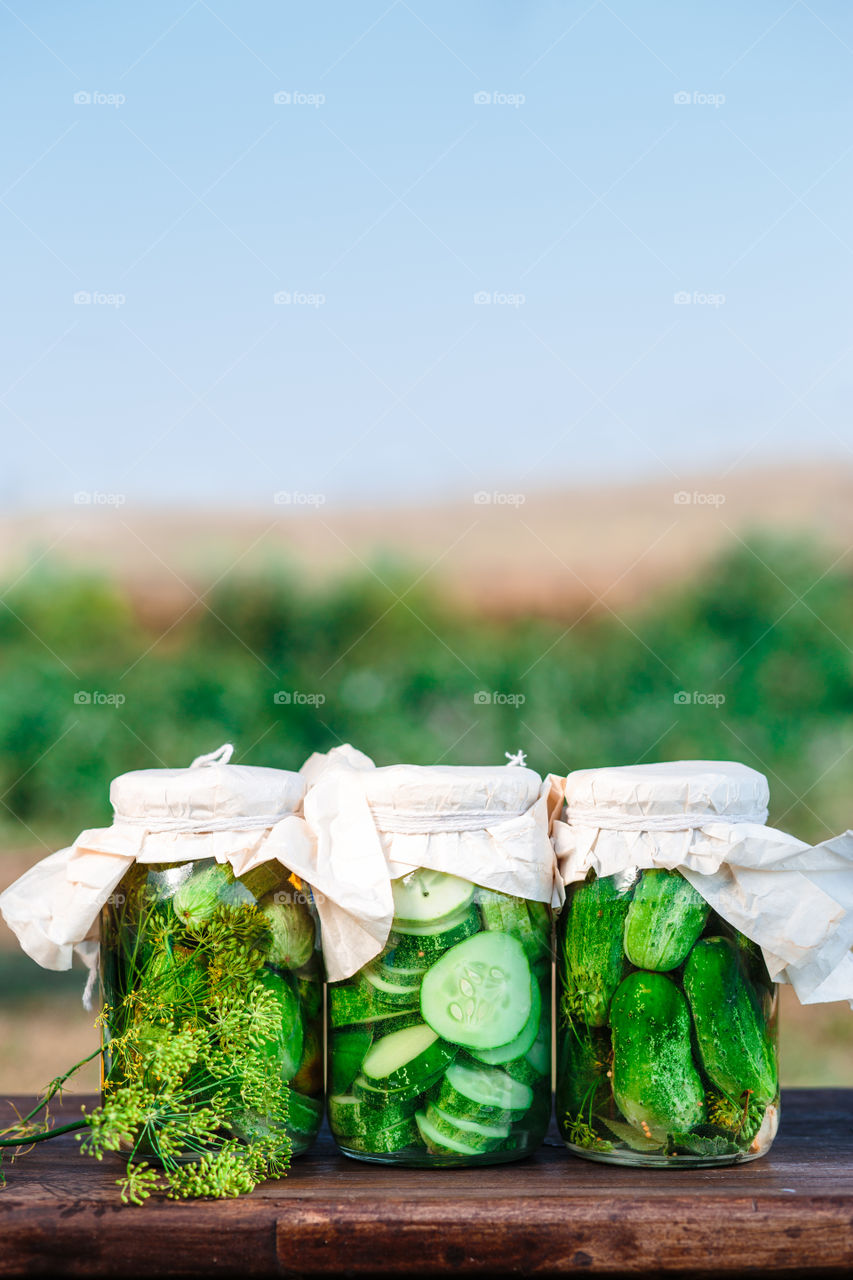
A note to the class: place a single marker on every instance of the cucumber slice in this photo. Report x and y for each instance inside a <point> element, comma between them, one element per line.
<point>520,1069</point>
<point>523,1042</point>
<point>349,1004</point>
<point>535,1067</point>
<point>412,1057</point>
<point>420,950</point>
<point>424,896</point>
<point>391,1021</point>
<point>491,903</point>
<point>368,1092</point>
<point>440,1143</point>
<point>352,1003</point>
<point>478,994</point>
<point>349,1116</point>
<point>383,992</point>
<point>485,1094</point>
<point>485,1137</point>
<point>399,975</point>
<point>346,1053</point>
<point>539,1054</point>
<point>397,1137</point>
<point>530,922</point>
<point>424,928</point>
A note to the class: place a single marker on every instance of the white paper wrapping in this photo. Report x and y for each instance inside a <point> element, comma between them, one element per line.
<point>488,825</point>
<point>706,819</point>
<point>234,813</point>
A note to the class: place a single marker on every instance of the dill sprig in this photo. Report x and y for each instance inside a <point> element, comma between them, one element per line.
<point>192,1038</point>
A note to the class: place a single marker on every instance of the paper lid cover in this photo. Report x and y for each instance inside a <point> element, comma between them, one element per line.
<point>214,793</point>
<point>401,795</point>
<point>691,789</point>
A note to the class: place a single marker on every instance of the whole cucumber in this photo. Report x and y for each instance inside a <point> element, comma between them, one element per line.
<point>664,919</point>
<point>655,1082</point>
<point>591,958</point>
<point>736,1050</point>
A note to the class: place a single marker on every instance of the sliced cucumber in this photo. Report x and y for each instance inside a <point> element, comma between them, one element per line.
<point>523,1042</point>
<point>346,1053</point>
<point>478,994</point>
<point>539,1054</point>
<point>350,1004</point>
<point>520,1069</point>
<point>420,950</point>
<point>350,1116</point>
<point>399,975</point>
<point>535,1067</point>
<point>397,1137</point>
<point>486,1137</point>
<point>368,1092</point>
<point>424,896</point>
<point>353,1003</point>
<point>491,903</point>
<point>412,1057</point>
<point>530,922</point>
<point>383,992</point>
<point>485,1094</point>
<point>438,1142</point>
<point>395,1022</point>
<point>425,928</point>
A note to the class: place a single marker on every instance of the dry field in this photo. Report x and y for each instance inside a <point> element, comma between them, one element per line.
<point>553,553</point>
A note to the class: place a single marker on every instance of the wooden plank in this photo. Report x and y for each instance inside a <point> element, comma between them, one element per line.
<point>552,1214</point>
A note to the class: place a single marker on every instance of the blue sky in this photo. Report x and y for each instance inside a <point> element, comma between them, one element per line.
<point>580,199</point>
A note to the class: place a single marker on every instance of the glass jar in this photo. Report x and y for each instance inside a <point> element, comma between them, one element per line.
<point>207,960</point>
<point>440,1047</point>
<point>666,1027</point>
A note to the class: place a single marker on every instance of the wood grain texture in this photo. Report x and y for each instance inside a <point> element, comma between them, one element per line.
<point>790,1213</point>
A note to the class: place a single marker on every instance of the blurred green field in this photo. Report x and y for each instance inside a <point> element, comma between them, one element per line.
<point>767,629</point>
<point>750,661</point>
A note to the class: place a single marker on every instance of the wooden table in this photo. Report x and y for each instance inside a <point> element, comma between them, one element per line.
<point>552,1214</point>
